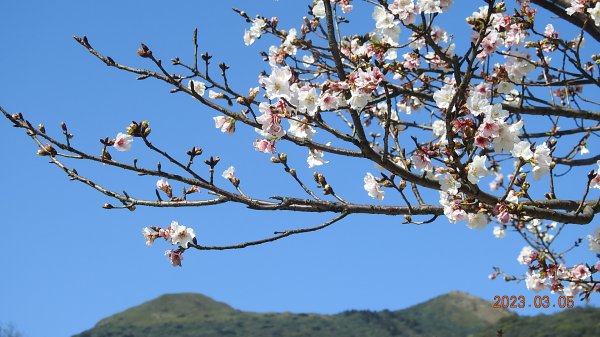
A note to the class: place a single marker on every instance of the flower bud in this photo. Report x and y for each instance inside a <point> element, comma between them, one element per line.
<point>283,157</point>
<point>327,190</point>
<point>41,128</point>
<point>144,51</point>
<point>402,184</point>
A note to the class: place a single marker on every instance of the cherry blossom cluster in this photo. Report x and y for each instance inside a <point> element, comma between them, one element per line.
<point>175,234</point>
<point>430,111</point>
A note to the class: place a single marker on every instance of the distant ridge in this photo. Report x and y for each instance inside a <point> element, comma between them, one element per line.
<point>454,314</point>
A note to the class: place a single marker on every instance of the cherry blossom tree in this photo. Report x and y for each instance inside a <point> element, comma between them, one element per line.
<point>492,124</point>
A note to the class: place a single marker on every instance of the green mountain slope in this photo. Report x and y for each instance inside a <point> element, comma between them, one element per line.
<point>453,314</point>
<point>575,322</point>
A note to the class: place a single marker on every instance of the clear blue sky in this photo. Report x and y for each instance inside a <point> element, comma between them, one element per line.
<point>66,263</point>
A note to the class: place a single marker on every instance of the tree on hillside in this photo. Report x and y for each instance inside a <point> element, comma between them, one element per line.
<point>495,124</point>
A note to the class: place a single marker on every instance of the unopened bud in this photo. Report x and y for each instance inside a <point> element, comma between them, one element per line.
<point>275,160</point>
<point>144,51</point>
<point>107,206</point>
<point>41,128</point>
<point>402,184</point>
<point>283,157</point>
<point>327,190</point>
<point>293,172</point>
<point>387,183</point>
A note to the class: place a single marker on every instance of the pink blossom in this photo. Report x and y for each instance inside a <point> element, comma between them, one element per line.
<point>577,6</point>
<point>535,282</point>
<point>270,120</point>
<point>264,145</point>
<point>580,272</point>
<point>226,124</point>
<point>527,256</point>
<point>149,236</point>
<point>123,142</point>
<point>422,162</point>
<point>175,257</point>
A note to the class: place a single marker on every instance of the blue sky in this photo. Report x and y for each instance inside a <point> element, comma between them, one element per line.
<point>67,262</point>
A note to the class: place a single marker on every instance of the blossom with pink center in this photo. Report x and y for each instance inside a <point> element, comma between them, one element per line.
<point>123,142</point>
<point>270,120</point>
<point>149,236</point>
<point>489,129</point>
<point>411,61</point>
<point>576,6</point>
<point>502,212</point>
<point>226,124</point>
<point>404,9</point>
<point>366,81</point>
<point>264,145</point>
<point>175,257</point>
<point>328,102</point>
<point>482,142</point>
<point>580,272</point>
<point>422,162</point>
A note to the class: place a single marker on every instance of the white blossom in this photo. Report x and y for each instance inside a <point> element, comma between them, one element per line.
<point>499,232</point>
<point>229,173</point>
<point>315,158</point>
<point>594,241</point>
<point>476,169</point>
<point>522,150</point>
<point>525,255</point>
<point>476,220</point>
<point>197,86</point>
<point>319,9</point>
<point>595,14</point>
<point>372,187</point>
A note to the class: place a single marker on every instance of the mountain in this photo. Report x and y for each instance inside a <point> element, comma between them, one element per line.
<point>574,322</point>
<point>453,314</point>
